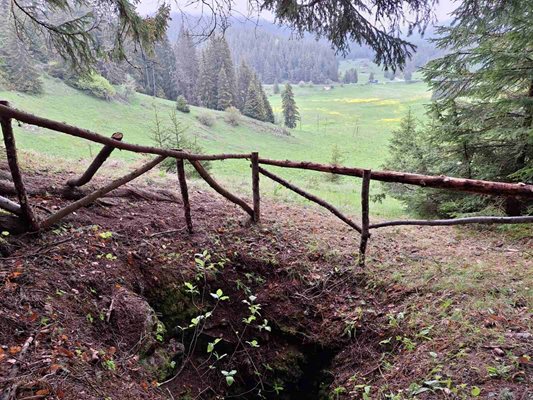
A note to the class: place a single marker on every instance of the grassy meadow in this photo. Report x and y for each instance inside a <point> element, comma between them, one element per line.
<point>357,118</point>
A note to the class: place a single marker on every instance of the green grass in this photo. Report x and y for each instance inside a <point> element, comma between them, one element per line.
<point>358,118</point>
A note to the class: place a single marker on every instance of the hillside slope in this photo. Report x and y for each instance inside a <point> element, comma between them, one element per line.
<point>135,120</point>
<point>119,298</point>
<point>357,118</point>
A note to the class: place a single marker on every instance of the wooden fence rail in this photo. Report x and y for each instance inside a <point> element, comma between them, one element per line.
<point>438,182</point>
<point>23,210</point>
<point>11,113</point>
<point>312,198</point>
<point>102,156</point>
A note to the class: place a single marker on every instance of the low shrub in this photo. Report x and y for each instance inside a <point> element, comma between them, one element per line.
<point>233,116</point>
<point>281,130</point>
<point>206,119</point>
<point>181,105</point>
<point>96,85</point>
<point>126,91</point>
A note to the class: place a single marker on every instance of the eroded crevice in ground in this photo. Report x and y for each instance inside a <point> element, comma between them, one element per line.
<point>233,316</point>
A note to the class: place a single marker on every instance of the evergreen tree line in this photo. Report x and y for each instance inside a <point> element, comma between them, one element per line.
<point>204,77</point>
<point>207,78</point>
<point>220,86</point>
<point>276,58</point>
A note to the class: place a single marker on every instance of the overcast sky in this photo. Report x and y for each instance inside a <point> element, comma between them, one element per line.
<point>146,7</point>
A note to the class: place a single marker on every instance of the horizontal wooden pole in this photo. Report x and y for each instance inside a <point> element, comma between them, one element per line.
<point>100,158</point>
<point>312,198</point>
<point>456,221</point>
<point>219,189</point>
<point>85,201</point>
<point>8,205</point>
<point>31,119</point>
<point>438,182</point>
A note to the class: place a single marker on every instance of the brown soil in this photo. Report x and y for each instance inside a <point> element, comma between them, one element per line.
<point>87,299</point>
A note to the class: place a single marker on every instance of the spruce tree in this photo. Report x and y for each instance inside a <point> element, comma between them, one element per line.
<point>206,84</point>
<point>187,66</point>
<point>254,107</point>
<point>216,57</point>
<point>484,110</point>
<point>165,69</point>
<point>290,110</point>
<point>410,151</point>
<point>269,113</point>
<point>336,159</point>
<point>275,88</point>
<point>346,77</point>
<point>407,151</point>
<point>224,93</point>
<point>224,55</point>
<point>243,84</point>
<point>18,65</point>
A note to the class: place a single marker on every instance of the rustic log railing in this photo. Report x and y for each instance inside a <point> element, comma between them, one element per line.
<point>96,164</point>
<point>24,212</point>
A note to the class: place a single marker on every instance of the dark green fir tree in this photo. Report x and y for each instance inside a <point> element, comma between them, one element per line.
<point>269,113</point>
<point>275,88</point>
<point>254,107</point>
<point>244,78</point>
<point>224,93</point>
<point>290,110</point>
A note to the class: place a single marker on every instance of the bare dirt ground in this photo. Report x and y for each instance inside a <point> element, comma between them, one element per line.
<point>119,299</point>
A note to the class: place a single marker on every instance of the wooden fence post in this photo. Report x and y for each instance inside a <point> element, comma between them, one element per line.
<point>96,164</point>
<point>365,220</point>
<point>12,159</point>
<point>255,187</point>
<point>219,189</point>
<point>184,193</point>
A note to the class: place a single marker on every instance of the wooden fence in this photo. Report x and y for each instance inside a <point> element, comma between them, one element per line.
<point>25,213</point>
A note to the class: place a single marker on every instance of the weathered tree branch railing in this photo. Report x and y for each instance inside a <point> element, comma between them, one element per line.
<point>24,212</point>
<point>102,156</point>
<point>7,113</point>
<point>312,198</point>
<point>437,182</point>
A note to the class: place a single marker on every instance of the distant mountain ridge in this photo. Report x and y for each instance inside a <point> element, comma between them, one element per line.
<point>297,58</point>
